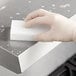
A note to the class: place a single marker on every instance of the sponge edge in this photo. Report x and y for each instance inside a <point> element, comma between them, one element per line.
<point>18,31</point>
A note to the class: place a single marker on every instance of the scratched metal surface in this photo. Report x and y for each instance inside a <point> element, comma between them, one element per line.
<point>18,9</point>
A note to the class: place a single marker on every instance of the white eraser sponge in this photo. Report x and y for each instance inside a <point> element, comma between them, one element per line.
<point>18,31</point>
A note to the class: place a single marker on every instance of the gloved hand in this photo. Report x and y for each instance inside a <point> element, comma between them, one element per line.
<point>61,28</point>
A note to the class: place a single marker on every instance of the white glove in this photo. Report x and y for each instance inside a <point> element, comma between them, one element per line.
<point>61,28</point>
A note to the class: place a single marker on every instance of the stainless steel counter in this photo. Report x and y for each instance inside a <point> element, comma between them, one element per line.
<point>18,9</point>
